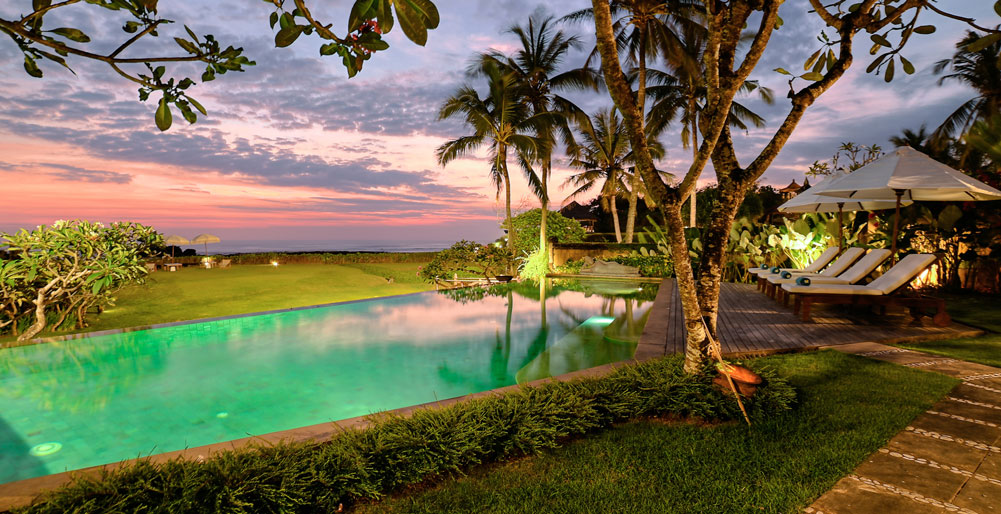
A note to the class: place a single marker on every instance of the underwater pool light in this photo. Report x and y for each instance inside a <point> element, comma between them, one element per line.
<point>41,450</point>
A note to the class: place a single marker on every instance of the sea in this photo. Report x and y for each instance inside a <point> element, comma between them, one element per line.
<point>315,245</point>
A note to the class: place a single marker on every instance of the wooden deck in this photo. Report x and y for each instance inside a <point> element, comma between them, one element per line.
<point>751,323</point>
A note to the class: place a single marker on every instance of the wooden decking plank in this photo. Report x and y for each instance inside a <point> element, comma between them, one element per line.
<point>750,322</point>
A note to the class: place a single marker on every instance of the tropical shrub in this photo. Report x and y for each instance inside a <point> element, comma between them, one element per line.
<point>467,258</point>
<point>63,270</point>
<point>535,265</point>
<point>648,265</point>
<point>396,452</point>
<point>526,230</point>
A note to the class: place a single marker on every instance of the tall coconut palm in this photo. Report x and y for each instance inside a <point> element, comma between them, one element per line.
<point>604,154</point>
<point>503,120</point>
<point>683,90</point>
<point>536,65</point>
<point>647,29</point>
<point>980,69</point>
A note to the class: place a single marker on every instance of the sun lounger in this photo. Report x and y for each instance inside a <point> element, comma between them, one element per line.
<point>225,263</point>
<point>836,268</point>
<point>823,260</point>
<point>883,291</point>
<point>861,269</point>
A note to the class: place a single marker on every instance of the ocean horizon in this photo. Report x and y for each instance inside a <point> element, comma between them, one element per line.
<point>314,245</point>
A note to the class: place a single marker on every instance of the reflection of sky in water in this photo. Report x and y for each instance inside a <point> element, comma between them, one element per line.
<point>116,397</point>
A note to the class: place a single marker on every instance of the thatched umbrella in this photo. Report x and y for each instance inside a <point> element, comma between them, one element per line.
<point>205,239</point>
<point>173,241</point>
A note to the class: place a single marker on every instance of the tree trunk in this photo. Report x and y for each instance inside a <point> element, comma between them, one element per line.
<point>40,302</point>
<point>692,221</point>
<point>631,215</point>
<point>615,218</point>
<point>543,239</point>
<point>669,204</point>
<point>502,164</point>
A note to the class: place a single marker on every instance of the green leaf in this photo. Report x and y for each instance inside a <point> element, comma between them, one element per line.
<point>908,67</point>
<point>188,46</point>
<point>925,29</point>
<point>412,23</point>
<point>189,116</point>
<point>131,26</point>
<point>96,286</point>
<point>888,75</point>
<point>359,13</point>
<point>197,105</point>
<point>38,5</point>
<point>208,75</point>
<point>384,12</point>
<point>158,72</point>
<point>185,83</point>
<point>427,10</point>
<point>814,76</point>
<point>163,117</point>
<point>983,42</point>
<point>782,71</point>
<point>31,67</point>
<point>875,64</point>
<point>880,40</point>
<point>287,35</point>
<point>273,19</point>
<point>376,45</point>
<point>997,7</point>
<point>948,217</point>
<point>286,20</point>
<point>190,33</point>
<point>71,34</point>
<point>813,58</point>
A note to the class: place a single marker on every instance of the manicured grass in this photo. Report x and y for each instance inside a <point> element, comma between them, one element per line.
<point>193,293</point>
<point>978,310</point>
<point>984,350</point>
<point>849,407</point>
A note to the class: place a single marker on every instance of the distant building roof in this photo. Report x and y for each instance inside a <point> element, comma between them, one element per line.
<point>577,211</point>
<point>793,187</point>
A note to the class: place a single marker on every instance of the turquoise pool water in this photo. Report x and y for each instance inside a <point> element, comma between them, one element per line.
<point>84,402</point>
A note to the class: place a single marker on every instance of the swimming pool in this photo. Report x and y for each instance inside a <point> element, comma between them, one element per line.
<point>95,400</point>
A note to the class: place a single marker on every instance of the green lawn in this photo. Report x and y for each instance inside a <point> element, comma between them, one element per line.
<point>984,350</point>
<point>978,310</point>
<point>849,407</point>
<point>193,293</point>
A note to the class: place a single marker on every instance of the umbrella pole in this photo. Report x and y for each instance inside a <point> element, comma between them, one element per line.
<point>841,227</point>
<point>896,228</point>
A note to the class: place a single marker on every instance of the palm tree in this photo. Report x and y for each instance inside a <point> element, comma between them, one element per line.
<point>648,29</point>
<point>980,70</point>
<point>604,154</point>
<point>536,66</point>
<point>683,89</point>
<point>503,120</point>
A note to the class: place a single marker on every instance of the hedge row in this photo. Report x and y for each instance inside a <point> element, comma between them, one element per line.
<point>398,451</point>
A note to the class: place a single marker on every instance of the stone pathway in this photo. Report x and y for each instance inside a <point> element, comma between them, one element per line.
<point>947,460</point>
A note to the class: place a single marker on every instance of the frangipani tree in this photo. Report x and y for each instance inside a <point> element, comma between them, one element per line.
<point>732,53</point>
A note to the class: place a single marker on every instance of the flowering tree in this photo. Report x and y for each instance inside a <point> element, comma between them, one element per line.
<point>67,268</point>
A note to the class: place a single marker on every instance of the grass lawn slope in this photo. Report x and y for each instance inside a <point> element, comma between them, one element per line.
<point>849,407</point>
<point>193,293</point>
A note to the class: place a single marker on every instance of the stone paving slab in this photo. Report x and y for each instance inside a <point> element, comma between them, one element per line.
<point>947,460</point>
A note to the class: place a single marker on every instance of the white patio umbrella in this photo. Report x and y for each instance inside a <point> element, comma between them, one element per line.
<point>812,200</point>
<point>907,174</point>
<point>173,241</point>
<point>205,239</point>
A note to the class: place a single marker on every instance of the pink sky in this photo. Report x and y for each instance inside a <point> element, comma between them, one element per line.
<point>293,150</point>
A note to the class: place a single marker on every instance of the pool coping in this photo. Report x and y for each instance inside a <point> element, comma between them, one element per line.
<point>20,493</point>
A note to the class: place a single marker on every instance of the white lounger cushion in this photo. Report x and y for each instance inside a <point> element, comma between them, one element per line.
<point>814,266</point>
<point>834,270</point>
<point>898,276</point>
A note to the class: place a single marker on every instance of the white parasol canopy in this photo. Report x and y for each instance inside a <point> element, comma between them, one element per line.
<point>812,200</point>
<point>916,176</point>
<point>908,173</point>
